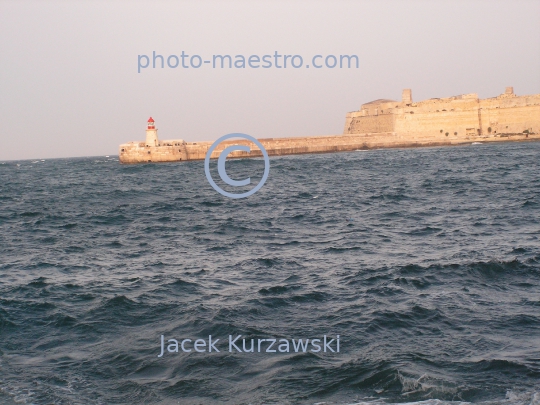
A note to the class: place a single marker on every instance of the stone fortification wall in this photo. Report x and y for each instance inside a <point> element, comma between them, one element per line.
<point>512,119</point>
<point>373,123</point>
<point>380,124</point>
<point>458,116</point>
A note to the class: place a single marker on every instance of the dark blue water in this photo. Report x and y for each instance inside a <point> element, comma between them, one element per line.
<point>426,262</point>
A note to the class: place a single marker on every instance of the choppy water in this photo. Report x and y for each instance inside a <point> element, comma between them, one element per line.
<point>425,261</point>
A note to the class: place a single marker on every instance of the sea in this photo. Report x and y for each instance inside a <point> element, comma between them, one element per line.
<point>425,262</point>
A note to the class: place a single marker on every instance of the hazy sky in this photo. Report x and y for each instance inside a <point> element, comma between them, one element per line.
<point>69,84</point>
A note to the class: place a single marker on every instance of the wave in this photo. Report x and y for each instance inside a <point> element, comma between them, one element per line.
<point>426,263</point>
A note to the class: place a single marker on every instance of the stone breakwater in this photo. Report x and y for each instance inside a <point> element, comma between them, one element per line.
<point>293,146</point>
<point>379,124</point>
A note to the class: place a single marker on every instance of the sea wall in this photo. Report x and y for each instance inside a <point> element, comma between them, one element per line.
<point>139,153</point>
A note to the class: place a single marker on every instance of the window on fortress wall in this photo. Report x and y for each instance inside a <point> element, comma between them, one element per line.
<point>441,131</point>
<point>123,150</point>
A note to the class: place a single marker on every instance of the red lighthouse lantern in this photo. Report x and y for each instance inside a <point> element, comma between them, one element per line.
<point>151,124</point>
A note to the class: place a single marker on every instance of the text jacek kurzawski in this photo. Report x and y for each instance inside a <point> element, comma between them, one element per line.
<point>236,344</point>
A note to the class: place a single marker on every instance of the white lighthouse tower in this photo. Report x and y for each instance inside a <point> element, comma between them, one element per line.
<point>151,133</point>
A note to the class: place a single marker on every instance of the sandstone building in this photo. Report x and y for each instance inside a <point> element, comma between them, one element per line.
<point>379,124</point>
<point>451,117</point>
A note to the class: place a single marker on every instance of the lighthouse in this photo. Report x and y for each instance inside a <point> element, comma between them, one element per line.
<point>151,133</point>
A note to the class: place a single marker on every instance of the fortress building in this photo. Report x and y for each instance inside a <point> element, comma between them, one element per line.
<point>446,119</point>
<point>378,124</point>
